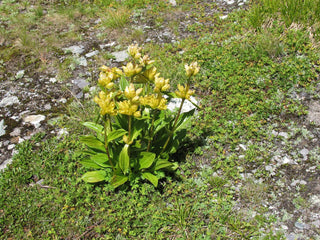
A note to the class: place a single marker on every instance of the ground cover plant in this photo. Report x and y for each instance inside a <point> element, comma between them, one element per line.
<point>253,88</point>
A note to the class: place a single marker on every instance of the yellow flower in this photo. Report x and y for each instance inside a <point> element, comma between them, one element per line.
<point>106,103</point>
<point>108,75</point>
<point>126,140</point>
<point>131,69</point>
<point>184,92</point>
<point>146,60</point>
<point>132,94</point>
<point>134,51</point>
<point>154,101</point>
<point>161,84</point>
<point>127,107</point>
<point>151,73</point>
<point>105,80</point>
<point>192,70</point>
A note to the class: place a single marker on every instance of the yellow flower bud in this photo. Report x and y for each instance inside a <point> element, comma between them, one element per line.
<point>161,84</point>
<point>131,93</point>
<point>154,101</point>
<point>128,107</point>
<point>106,103</point>
<point>137,114</point>
<point>151,73</point>
<point>192,70</point>
<point>134,51</point>
<point>126,139</point>
<point>184,92</point>
<point>131,69</point>
<point>146,60</point>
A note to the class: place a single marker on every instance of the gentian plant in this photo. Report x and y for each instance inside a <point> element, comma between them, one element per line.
<point>135,133</point>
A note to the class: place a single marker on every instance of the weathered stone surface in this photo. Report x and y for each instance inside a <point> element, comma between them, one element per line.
<point>91,54</point>
<point>2,128</point>
<point>75,49</point>
<point>34,120</point>
<point>8,101</point>
<point>120,56</point>
<point>80,82</point>
<point>314,113</point>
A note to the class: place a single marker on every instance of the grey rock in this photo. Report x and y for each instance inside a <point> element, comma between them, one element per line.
<point>53,80</point>
<point>301,226</point>
<point>2,128</point>
<point>120,56</point>
<point>291,236</point>
<point>304,152</point>
<point>11,146</point>
<point>316,223</point>
<point>80,82</point>
<point>83,61</point>
<point>174,104</point>
<point>74,49</point>
<point>47,106</point>
<point>34,120</point>
<point>173,2</point>
<point>62,100</point>
<point>4,164</point>
<point>20,74</point>
<point>315,200</point>
<point>8,101</point>
<point>295,182</point>
<point>16,132</point>
<point>102,46</point>
<point>314,113</point>
<point>91,54</point>
<point>283,134</point>
<point>79,95</point>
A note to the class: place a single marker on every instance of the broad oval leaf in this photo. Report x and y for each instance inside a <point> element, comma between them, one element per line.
<point>146,159</point>
<point>101,159</point>
<point>162,163</point>
<point>88,163</point>
<point>94,126</point>
<point>116,134</point>
<point>93,143</point>
<point>124,161</point>
<point>152,178</point>
<point>94,176</point>
<point>118,180</point>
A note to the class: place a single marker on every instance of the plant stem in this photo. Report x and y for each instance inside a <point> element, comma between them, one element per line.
<point>151,133</point>
<point>173,127</point>
<point>106,142</point>
<point>129,128</point>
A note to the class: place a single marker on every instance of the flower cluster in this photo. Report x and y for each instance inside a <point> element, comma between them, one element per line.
<point>139,71</point>
<point>130,106</point>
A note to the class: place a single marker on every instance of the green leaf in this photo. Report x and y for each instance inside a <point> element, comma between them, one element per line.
<point>116,134</point>
<point>152,178</point>
<point>123,83</point>
<point>92,142</point>
<point>162,163</point>
<point>121,121</point>
<point>94,176</point>
<point>184,119</point>
<point>118,180</point>
<point>88,163</point>
<point>124,161</point>
<point>101,159</point>
<point>146,159</point>
<point>94,126</point>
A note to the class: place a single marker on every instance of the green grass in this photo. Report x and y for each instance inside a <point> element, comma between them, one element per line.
<point>244,84</point>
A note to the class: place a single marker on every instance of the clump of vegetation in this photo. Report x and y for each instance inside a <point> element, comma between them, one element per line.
<point>137,134</point>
